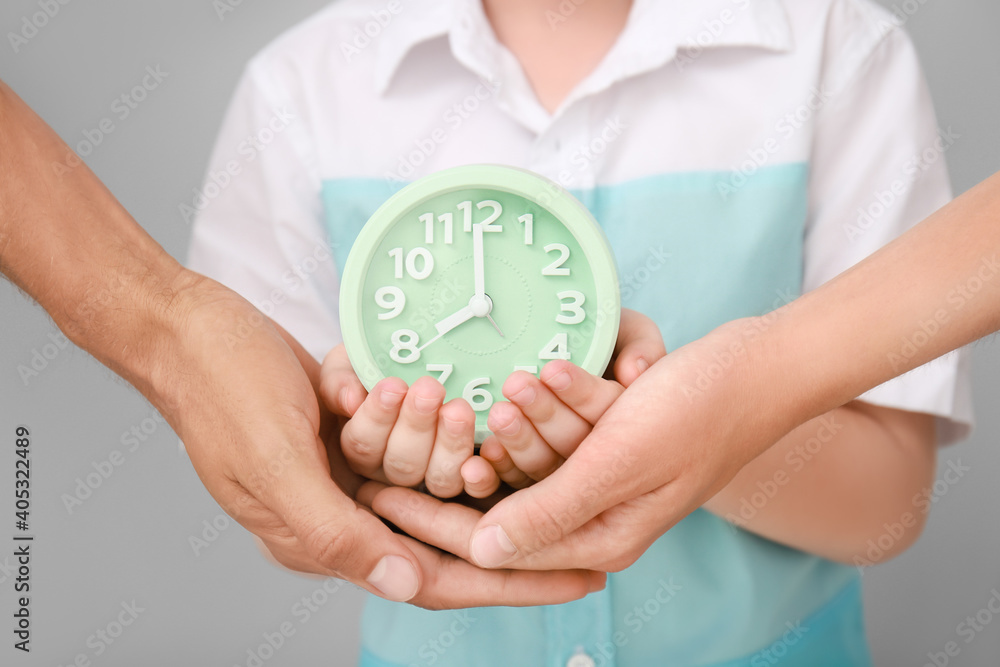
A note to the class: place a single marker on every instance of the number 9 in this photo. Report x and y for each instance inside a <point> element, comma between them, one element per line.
<point>394,305</point>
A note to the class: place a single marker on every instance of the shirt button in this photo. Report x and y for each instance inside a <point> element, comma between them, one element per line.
<point>580,659</point>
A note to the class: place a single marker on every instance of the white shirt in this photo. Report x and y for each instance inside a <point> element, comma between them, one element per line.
<point>736,152</point>
<point>365,90</point>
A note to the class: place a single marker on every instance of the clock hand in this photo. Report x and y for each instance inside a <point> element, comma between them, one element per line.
<point>447,324</point>
<point>478,270</point>
<point>482,306</point>
<point>494,324</point>
<point>480,302</point>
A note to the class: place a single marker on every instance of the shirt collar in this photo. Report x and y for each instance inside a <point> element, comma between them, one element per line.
<point>655,31</point>
<point>420,21</point>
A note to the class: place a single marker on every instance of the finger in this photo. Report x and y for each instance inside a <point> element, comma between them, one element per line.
<point>487,503</point>
<point>339,537</point>
<point>639,346</point>
<point>602,473</point>
<point>555,424</point>
<point>455,583</point>
<point>412,438</point>
<point>454,445</point>
<point>611,541</point>
<point>528,451</point>
<point>447,526</point>
<point>587,395</point>
<point>364,438</point>
<point>339,387</point>
<point>481,480</point>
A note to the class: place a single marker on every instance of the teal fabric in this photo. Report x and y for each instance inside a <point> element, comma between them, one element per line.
<point>691,255</point>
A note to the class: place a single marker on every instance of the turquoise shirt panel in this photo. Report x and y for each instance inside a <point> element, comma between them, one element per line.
<point>691,256</point>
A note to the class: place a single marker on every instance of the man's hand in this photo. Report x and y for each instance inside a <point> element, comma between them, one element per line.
<point>240,395</point>
<point>246,408</point>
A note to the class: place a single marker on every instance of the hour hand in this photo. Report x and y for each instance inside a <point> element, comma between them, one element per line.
<point>453,320</point>
<point>447,324</point>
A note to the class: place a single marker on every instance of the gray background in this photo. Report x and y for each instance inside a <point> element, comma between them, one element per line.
<point>130,540</point>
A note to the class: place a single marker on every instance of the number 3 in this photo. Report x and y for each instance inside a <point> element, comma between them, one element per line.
<point>577,313</point>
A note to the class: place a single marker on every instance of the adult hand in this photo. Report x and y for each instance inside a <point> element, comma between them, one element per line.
<point>246,407</point>
<point>240,395</point>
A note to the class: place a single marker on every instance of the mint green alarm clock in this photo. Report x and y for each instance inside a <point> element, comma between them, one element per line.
<point>472,273</point>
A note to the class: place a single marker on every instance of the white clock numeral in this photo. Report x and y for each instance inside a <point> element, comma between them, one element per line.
<point>530,369</point>
<point>466,208</point>
<point>427,259</point>
<point>397,255</point>
<point>428,220</point>
<point>490,224</point>
<point>428,262</point>
<point>557,348</point>
<point>392,299</point>
<point>405,340</point>
<point>556,267</point>
<point>449,227</point>
<point>480,399</point>
<point>575,308</point>
<point>444,369</point>
<point>529,228</point>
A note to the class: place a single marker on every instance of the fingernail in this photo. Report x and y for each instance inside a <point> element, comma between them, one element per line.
<point>559,381</point>
<point>598,581</point>
<point>425,404</point>
<point>524,397</point>
<point>391,399</point>
<point>491,547</point>
<point>475,477</point>
<point>395,578</point>
<point>348,400</point>
<point>642,364</point>
<point>510,428</point>
<point>453,426</point>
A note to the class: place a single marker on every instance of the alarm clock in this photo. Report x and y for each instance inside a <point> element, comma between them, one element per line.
<point>472,273</point>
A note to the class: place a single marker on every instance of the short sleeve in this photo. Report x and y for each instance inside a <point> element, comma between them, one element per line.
<point>878,169</point>
<point>258,217</point>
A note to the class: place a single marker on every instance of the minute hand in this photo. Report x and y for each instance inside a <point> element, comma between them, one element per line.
<point>477,262</point>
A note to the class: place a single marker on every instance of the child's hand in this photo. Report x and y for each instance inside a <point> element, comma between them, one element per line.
<point>405,436</point>
<point>542,425</point>
<point>548,417</point>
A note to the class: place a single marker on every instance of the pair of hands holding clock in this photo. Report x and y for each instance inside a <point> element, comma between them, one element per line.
<point>595,486</point>
<point>397,437</point>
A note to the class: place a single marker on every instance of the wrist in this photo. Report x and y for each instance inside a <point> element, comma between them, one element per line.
<point>132,317</point>
<point>763,373</point>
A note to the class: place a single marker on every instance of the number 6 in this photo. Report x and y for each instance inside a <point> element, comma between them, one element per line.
<point>480,399</point>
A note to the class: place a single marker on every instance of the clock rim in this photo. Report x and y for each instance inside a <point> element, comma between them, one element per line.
<point>505,178</point>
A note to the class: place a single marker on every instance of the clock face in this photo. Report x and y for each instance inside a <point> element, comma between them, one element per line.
<point>472,273</point>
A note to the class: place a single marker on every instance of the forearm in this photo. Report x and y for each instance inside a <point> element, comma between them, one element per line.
<point>836,482</point>
<point>932,290</point>
<point>68,243</point>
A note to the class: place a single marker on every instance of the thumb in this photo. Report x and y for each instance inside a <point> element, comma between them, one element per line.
<point>639,346</point>
<point>341,537</point>
<point>339,387</point>
<point>536,528</point>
